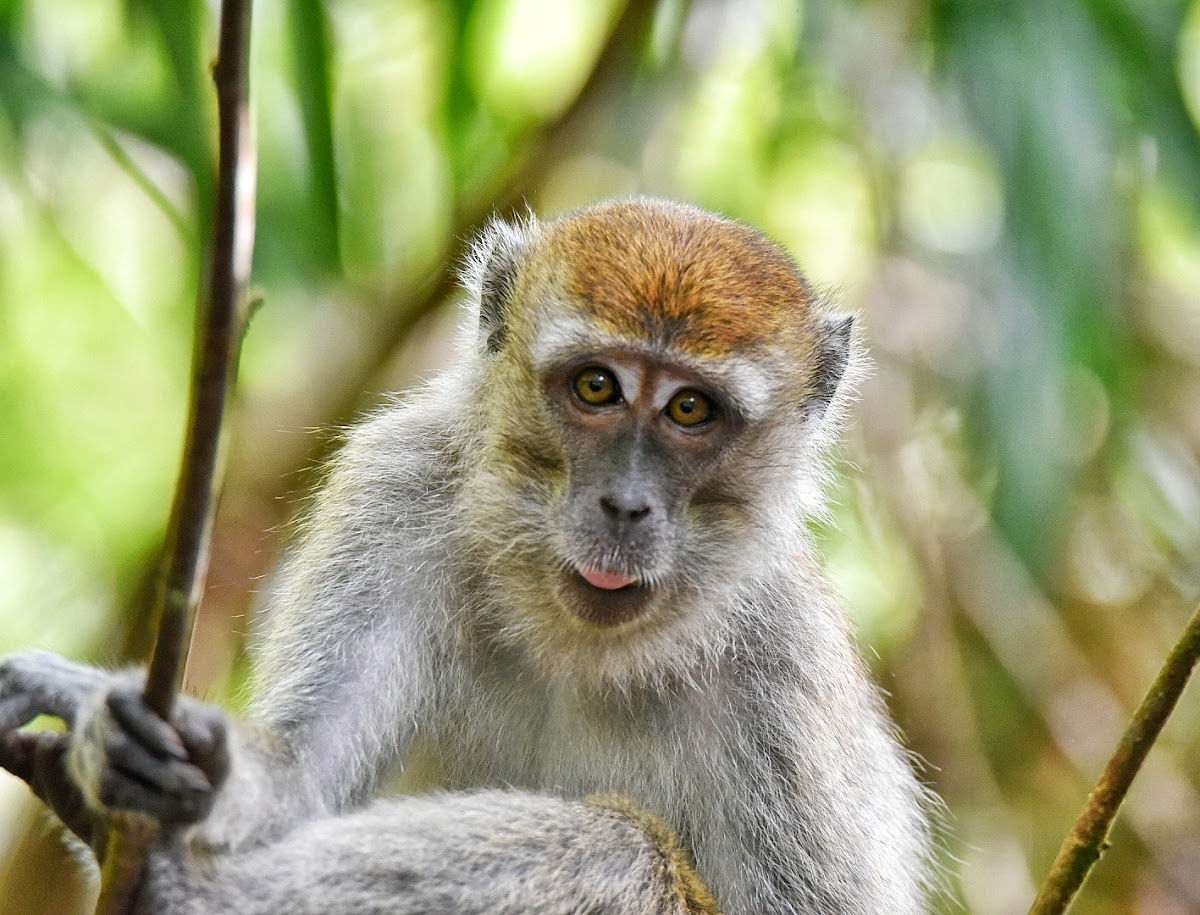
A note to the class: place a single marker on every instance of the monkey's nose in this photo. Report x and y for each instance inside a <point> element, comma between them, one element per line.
<point>626,508</point>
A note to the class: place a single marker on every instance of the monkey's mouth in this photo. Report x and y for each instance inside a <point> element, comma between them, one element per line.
<point>605,598</point>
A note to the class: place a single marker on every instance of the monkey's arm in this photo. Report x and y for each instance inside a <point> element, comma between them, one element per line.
<point>344,665</point>
<point>343,668</point>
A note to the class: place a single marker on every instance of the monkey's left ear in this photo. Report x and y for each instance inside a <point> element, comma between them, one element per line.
<point>834,339</point>
<point>492,272</point>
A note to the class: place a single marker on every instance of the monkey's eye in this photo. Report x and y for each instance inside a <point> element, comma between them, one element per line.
<point>691,408</point>
<point>596,386</point>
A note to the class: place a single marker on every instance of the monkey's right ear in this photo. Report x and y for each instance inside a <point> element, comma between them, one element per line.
<point>491,274</point>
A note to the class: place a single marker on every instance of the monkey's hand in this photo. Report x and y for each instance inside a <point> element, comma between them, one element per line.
<point>117,754</point>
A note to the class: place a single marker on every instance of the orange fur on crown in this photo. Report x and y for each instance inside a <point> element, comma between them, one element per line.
<point>680,276</point>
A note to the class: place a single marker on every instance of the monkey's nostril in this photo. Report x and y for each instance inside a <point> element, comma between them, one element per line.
<point>618,510</point>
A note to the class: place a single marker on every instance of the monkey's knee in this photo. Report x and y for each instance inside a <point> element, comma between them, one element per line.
<point>683,890</point>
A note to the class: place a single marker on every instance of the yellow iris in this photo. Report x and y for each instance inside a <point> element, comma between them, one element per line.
<point>596,386</point>
<point>690,408</point>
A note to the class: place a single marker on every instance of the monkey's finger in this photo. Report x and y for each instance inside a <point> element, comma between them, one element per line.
<point>172,777</point>
<point>206,737</point>
<point>121,790</point>
<point>139,720</point>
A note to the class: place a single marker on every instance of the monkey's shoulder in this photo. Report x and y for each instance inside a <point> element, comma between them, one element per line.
<point>412,446</point>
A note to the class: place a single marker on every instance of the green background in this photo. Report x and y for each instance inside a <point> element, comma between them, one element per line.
<point>1008,194</point>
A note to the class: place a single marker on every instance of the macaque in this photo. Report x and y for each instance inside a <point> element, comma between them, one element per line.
<point>571,579</point>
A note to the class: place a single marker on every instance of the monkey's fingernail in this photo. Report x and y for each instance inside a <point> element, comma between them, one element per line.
<point>192,779</point>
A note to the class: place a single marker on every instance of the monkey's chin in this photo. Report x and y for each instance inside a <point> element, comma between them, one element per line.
<point>605,607</point>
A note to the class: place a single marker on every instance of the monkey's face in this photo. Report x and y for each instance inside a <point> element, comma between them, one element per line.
<point>623,491</point>
<point>639,434</point>
<point>679,371</point>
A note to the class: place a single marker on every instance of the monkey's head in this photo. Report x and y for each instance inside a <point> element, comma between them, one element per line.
<point>653,394</point>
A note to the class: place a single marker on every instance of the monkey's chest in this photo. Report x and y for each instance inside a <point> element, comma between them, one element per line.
<point>539,739</point>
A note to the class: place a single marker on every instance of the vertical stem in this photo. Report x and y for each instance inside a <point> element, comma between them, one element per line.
<point>220,322</point>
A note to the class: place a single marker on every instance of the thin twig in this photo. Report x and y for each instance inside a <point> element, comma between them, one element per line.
<point>1089,838</point>
<point>220,321</point>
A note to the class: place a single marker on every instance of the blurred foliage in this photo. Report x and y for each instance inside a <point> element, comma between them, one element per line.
<point>1009,194</point>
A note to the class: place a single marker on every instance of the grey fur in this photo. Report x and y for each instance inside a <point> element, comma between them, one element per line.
<point>405,637</point>
<point>487,853</point>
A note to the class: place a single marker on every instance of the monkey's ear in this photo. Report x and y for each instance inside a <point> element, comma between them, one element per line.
<point>834,339</point>
<point>491,272</point>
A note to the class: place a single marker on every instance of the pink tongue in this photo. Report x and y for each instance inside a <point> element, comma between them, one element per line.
<point>608,581</point>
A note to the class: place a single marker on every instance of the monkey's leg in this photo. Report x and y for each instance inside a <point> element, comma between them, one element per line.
<point>491,853</point>
<point>34,683</point>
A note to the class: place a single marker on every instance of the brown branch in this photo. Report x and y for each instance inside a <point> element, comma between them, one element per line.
<point>220,321</point>
<point>1089,838</point>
